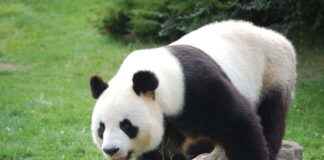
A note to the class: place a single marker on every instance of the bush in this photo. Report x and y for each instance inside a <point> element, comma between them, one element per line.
<point>169,19</point>
<point>284,16</point>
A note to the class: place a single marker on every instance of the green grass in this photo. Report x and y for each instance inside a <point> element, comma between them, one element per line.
<point>306,120</point>
<point>45,102</point>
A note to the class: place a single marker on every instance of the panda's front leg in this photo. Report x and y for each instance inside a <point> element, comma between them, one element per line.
<point>152,155</point>
<point>244,139</point>
<point>179,156</point>
<point>156,155</point>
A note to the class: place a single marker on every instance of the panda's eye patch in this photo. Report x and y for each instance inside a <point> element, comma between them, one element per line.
<point>101,129</point>
<point>129,129</point>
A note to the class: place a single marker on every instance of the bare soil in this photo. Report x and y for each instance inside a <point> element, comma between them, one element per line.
<point>8,67</point>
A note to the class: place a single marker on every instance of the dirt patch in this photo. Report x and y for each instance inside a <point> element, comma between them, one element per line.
<point>8,67</point>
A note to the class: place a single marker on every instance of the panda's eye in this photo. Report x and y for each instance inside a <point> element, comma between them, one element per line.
<point>129,129</point>
<point>101,130</point>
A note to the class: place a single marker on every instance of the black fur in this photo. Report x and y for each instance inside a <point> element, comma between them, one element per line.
<point>152,155</point>
<point>128,128</point>
<point>179,156</point>
<point>170,148</point>
<point>272,110</point>
<point>97,86</point>
<point>144,81</point>
<point>172,142</point>
<point>215,109</point>
<point>156,155</point>
<point>101,130</point>
<point>200,146</point>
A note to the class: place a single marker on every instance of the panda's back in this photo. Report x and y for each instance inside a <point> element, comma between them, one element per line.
<point>253,58</point>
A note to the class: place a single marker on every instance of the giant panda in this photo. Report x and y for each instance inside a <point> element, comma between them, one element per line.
<point>226,84</point>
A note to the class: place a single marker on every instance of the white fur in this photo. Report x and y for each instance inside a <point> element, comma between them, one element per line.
<point>254,58</point>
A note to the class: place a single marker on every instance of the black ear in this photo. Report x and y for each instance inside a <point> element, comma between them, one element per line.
<point>144,81</point>
<point>97,86</point>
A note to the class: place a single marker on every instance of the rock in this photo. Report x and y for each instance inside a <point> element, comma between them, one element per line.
<point>289,151</point>
<point>217,154</point>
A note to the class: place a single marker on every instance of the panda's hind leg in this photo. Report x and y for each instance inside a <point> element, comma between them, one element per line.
<point>272,111</point>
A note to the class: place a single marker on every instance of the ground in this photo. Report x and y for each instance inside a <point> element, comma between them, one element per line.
<point>48,51</point>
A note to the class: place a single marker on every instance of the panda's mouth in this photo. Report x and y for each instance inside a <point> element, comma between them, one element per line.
<point>129,154</point>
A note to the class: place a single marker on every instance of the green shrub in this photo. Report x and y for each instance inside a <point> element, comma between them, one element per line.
<point>169,19</point>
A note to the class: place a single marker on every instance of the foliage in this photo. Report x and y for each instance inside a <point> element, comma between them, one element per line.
<point>169,19</point>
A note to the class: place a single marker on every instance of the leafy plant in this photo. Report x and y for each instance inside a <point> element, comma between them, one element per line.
<point>169,19</point>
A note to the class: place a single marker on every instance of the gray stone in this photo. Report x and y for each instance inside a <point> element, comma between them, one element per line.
<point>289,151</point>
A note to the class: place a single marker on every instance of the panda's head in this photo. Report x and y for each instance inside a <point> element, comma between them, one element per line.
<point>126,120</point>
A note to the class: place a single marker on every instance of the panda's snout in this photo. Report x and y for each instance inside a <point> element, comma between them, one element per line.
<point>111,151</point>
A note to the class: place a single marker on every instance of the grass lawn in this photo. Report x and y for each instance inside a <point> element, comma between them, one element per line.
<point>49,49</point>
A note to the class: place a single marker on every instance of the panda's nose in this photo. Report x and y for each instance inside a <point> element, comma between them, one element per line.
<point>111,151</point>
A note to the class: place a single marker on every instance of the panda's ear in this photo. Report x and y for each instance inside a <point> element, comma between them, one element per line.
<point>97,86</point>
<point>144,82</point>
